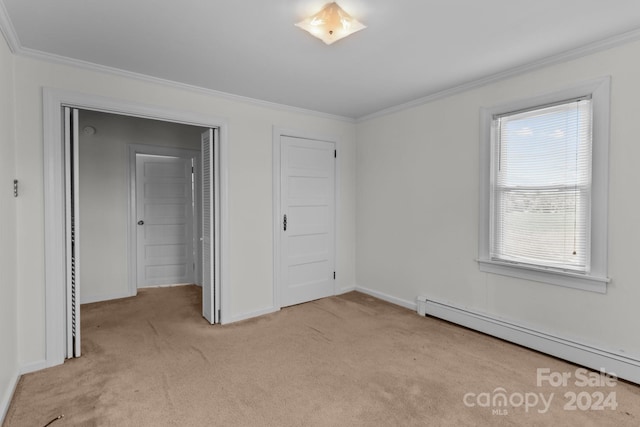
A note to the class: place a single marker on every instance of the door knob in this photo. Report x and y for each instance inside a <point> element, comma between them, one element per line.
<point>141,222</point>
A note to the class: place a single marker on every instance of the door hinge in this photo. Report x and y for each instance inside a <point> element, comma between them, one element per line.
<point>219,315</point>
<point>334,275</point>
<point>192,169</point>
<point>335,154</point>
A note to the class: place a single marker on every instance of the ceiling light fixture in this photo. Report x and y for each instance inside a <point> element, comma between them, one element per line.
<point>331,24</point>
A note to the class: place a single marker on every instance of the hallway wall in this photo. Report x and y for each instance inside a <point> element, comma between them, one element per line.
<point>104,197</point>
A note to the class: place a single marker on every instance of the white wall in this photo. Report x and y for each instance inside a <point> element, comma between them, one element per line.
<point>417,208</point>
<point>104,197</point>
<point>8,241</point>
<point>250,180</point>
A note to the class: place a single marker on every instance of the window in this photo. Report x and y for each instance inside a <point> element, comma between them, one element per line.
<point>544,188</point>
<point>541,191</point>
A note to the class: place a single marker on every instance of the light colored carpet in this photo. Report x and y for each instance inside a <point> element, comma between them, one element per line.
<point>349,360</point>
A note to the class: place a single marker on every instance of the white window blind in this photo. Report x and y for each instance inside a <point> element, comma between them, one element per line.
<point>541,186</point>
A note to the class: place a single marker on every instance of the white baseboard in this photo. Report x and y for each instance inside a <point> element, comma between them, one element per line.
<point>393,300</point>
<point>345,290</point>
<point>7,396</point>
<point>272,309</point>
<point>88,299</point>
<point>250,314</point>
<point>621,365</point>
<point>32,367</point>
<point>171,285</point>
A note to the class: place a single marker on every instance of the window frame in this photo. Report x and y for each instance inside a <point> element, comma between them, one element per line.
<point>596,279</point>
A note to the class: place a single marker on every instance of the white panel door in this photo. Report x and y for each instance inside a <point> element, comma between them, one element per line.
<point>72,216</point>
<point>307,206</point>
<point>210,227</point>
<point>164,211</point>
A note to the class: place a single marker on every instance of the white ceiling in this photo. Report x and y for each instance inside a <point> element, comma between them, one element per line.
<point>411,48</point>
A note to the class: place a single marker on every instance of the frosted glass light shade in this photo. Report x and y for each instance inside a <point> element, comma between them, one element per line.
<point>331,24</point>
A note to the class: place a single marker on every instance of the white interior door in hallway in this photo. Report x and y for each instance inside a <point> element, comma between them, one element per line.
<point>307,232</point>
<point>165,220</point>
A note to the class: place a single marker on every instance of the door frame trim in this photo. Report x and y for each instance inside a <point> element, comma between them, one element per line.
<point>132,236</point>
<point>278,133</point>
<point>54,206</point>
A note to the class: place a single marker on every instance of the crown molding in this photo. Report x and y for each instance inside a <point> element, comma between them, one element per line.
<point>608,43</point>
<point>63,60</point>
<point>7,30</point>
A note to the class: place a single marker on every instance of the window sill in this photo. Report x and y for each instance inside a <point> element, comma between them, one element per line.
<point>560,278</point>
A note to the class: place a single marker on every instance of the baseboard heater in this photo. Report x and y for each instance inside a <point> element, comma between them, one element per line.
<point>623,366</point>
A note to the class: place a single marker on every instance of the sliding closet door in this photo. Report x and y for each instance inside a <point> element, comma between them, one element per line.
<point>72,231</point>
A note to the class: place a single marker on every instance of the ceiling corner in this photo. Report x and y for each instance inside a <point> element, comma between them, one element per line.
<point>8,31</point>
